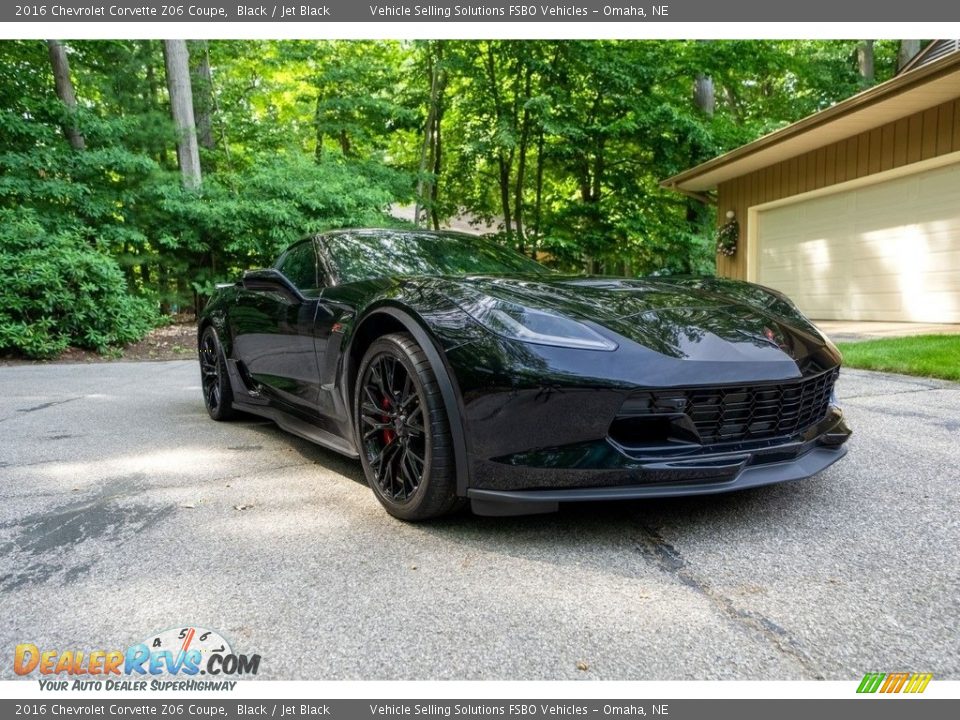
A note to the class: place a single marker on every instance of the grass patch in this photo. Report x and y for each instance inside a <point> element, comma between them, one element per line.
<point>936,356</point>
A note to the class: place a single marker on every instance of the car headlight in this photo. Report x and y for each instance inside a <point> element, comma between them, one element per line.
<point>537,326</point>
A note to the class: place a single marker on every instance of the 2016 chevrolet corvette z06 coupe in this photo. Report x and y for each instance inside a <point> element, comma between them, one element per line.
<point>459,371</point>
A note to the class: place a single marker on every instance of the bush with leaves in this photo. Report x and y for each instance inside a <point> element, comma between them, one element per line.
<point>245,219</point>
<point>58,291</point>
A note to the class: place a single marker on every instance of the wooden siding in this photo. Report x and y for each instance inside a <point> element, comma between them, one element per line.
<point>927,134</point>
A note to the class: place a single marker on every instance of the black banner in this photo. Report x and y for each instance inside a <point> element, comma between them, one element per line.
<point>393,11</point>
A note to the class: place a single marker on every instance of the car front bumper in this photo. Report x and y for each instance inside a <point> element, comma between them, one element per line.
<point>528,502</point>
<point>603,471</point>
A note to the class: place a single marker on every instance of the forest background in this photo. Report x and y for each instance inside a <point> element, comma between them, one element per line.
<point>136,174</point>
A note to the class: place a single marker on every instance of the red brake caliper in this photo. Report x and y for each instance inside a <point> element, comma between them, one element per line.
<point>388,433</point>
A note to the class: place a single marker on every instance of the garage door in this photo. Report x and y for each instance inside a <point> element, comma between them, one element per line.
<point>887,251</point>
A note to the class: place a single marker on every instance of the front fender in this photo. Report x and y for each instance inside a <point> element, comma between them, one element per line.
<point>419,328</point>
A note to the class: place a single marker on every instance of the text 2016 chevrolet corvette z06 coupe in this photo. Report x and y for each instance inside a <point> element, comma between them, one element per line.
<point>460,371</point>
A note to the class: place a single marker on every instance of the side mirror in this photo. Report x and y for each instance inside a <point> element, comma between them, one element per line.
<point>270,280</point>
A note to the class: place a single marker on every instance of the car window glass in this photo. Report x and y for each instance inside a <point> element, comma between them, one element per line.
<point>299,265</point>
<point>360,256</point>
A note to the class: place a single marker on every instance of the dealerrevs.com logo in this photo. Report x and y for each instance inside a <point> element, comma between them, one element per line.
<point>170,660</point>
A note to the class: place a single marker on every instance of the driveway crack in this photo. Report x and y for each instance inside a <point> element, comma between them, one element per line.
<point>41,406</point>
<point>44,406</point>
<point>656,549</point>
<point>894,392</point>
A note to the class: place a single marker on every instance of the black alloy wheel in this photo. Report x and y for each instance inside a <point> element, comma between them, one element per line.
<point>402,431</point>
<point>217,393</point>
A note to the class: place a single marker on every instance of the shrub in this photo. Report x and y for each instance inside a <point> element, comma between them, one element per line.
<point>57,290</point>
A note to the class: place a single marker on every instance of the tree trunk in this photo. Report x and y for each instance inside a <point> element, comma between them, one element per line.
<point>703,94</point>
<point>317,113</point>
<point>64,87</point>
<point>504,159</point>
<point>203,97</point>
<point>181,109</point>
<point>164,283</point>
<point>424,185</point>
<point>705,100</point>
<point>152,100</point>
<point>505,193</point>
<point>538,196</point>
<point>518,204</point>
<point>865,60</point>
<point>437,155</point>
<point>599,169</point>
<point>908,49</point>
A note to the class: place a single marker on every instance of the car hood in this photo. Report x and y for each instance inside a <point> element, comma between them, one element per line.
<point>691,318</point>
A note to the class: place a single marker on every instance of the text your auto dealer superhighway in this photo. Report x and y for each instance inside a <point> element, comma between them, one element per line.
<point>137,11</point>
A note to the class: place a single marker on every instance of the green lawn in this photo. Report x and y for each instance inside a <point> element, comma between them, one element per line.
<point>925,355</point>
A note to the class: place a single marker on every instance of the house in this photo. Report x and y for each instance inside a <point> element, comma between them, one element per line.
<point>854,212</point>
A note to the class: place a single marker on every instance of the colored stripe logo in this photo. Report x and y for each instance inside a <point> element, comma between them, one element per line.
<point>894,682</point>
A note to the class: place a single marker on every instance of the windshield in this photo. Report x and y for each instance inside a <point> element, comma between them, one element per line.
<point>362,256</point>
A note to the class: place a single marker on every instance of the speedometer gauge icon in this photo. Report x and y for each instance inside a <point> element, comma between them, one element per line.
<point>180,640</point>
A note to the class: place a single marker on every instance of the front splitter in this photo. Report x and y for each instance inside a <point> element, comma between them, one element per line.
<point>530,502</point>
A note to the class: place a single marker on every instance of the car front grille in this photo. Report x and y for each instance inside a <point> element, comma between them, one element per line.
<point>735,413</point>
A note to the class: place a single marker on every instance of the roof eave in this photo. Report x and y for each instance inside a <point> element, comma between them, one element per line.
<point>898,85</point>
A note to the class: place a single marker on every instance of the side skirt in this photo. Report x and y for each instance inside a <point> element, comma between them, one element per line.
<point>301,428</point>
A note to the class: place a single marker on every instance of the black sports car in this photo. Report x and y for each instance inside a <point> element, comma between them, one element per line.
<point>459,371</point>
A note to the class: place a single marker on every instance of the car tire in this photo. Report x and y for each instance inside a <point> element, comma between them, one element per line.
<point>214,381</point>
<point>402,431</point>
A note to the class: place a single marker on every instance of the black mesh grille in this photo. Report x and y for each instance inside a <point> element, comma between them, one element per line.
<point>733,413</point>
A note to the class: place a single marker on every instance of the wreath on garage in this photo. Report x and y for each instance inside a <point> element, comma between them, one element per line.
<point>727,236</point>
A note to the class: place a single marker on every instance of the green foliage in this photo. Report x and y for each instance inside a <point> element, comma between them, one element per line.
<point>566,141</point>
<point>245,219</point>
<point>122,198</point>
<point>562,144</point>
<point>357,103</point>
<point>57,291</point>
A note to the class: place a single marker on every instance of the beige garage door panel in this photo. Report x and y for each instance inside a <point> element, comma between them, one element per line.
<point>889,251</point>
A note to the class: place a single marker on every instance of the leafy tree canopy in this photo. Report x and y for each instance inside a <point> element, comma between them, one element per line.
<point>560,144</point>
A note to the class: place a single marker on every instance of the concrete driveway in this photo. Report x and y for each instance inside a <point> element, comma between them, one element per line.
<point>855,330</point>
<point>118,518</point>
